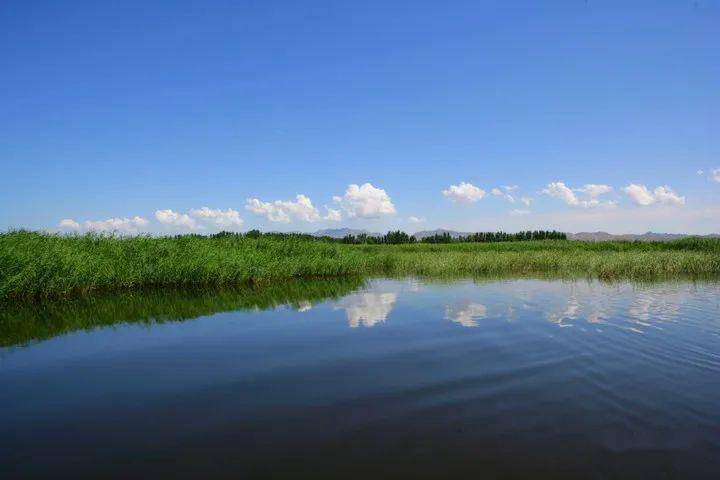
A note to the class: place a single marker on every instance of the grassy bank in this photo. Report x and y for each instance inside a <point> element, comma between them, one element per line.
<point>35,265</point>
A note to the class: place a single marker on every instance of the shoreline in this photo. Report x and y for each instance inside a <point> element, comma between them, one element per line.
<point>37,266</point>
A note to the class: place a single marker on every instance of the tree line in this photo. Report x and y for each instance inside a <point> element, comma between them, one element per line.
<point>397,237</point>
<point>400,237</point>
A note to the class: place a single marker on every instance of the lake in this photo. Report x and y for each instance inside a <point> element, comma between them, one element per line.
<point>377,379</point>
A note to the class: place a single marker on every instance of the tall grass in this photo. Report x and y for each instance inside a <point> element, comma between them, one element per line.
<point>39,265</point>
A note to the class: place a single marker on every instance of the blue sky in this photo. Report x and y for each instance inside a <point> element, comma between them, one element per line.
<point>112,111</point>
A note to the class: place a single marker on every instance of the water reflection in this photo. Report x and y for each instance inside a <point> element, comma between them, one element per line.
<point>658,304</point>
<point>367,309</point>
<point>20,324</point>
<point>552,373</point>
<point>466,313</point>
<point>567,315</point>
<point>633,307</point>
<point>304,306</point>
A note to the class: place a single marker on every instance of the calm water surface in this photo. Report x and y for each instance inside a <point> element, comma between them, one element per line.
<point>506,379</point>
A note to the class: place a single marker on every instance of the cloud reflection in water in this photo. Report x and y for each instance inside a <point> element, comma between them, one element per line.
<point>466,313</point>
<point>367,308</point>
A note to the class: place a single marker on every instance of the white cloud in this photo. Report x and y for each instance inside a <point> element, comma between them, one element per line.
<point>333,215</point>
<point>665,195</point>
<point>700,172</point>
<point>365,201</point>
<point>414,219</point>
<point>114,224</point>
<point>200,218</point>
<point>222,218</point>
<point>559,190</point>
<point>639,194</point>
<point>566,194</point>
<point>69,224</point>
<point>642,196</point>
<point>525,201</point>
<point>117,224</point>
<point>506,193</point>
<point>464,193</point>
<point>175,219</point>
<point>593,190</point>
<point>518,211</point>
<point>301,209</point>
<point>715,175</point>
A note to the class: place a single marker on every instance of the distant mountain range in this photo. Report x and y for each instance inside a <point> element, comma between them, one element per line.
<point>588,236</point>
<point>343,232</point>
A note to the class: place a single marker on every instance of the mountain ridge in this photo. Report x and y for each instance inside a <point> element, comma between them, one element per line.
<point>343,232</point>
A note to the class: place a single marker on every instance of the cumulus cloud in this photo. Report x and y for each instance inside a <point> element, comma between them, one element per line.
<point>175,219</point>
<point>464,193</point>
<point>222,218</point>
<point>414,219</point>
<point>496,191</point>
<point>365,201</point>
<point>642,196</point>
<point>333,215</point>
<point>200,218</point>
<point>593,190</point>
<point>700,172</point>
<point>525,201</point>
<point>113,224</point>
<point>301,209</point>
<point>561,191</point>
<point>639,194</point>
<point>666,196</point>
<point>129,225</point>
<point>69,224</point>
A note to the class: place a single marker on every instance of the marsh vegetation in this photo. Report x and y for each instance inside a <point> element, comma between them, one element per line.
<point>37,265</point>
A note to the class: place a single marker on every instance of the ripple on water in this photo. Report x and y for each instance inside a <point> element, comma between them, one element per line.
<point>564,375</point>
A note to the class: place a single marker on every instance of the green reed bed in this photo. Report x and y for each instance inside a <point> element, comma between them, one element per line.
<point>38,265</point>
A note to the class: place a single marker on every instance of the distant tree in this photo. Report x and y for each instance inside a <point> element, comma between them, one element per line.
<point>396,237</point>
